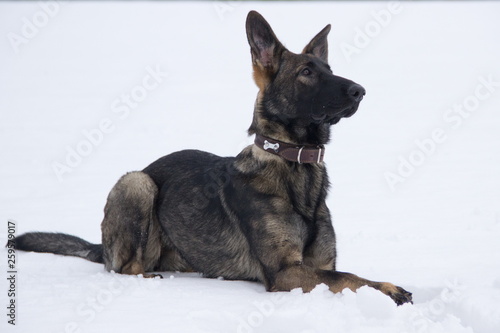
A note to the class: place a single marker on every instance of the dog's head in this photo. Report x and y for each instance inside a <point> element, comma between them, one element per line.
<point>298,92</point>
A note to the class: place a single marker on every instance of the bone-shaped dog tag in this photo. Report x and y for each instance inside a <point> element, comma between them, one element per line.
<point>273,146</point>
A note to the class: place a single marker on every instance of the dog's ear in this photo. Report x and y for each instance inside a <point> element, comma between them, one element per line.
<point>265,47</point>
<point>318,46</point>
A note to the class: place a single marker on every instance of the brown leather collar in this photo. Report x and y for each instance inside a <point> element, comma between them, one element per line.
<point>291,152</point>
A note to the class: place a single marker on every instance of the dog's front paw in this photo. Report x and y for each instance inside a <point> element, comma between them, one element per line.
<point>401,296</point>
<point>398,294</point>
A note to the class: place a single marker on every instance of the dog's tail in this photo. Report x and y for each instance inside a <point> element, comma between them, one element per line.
<point>59,243</point>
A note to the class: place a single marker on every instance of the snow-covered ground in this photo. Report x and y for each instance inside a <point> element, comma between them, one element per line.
<point>92,90</point>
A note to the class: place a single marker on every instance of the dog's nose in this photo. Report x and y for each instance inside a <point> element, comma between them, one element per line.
<point>356,92</point>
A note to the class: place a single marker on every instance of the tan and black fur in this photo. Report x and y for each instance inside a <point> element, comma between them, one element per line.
<point>255,216</point>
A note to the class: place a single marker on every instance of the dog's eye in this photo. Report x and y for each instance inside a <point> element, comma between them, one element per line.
<point>306,71</point>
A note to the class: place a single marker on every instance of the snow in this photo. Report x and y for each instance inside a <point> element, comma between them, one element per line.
<point>429,123</point>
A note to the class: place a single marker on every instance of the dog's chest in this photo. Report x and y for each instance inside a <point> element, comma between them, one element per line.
<point>306,187</point>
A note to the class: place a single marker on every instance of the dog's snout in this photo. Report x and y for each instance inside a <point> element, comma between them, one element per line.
<point>356,92</point>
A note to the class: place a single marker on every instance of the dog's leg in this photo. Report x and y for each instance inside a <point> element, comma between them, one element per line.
<point>130,231</point>
<point>321,253</point>
<point>301,276</point>
<point>293,266</point>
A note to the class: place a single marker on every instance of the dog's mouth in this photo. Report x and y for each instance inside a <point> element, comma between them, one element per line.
<point>319,118</point>
<point>333,118</point>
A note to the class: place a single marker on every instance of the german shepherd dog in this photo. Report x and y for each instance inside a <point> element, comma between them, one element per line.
<point>259,216</point>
